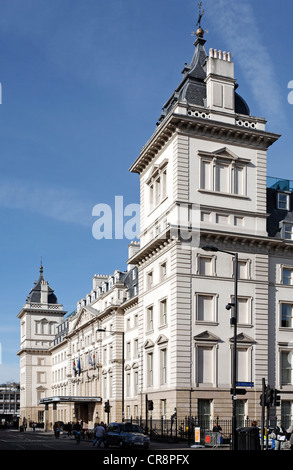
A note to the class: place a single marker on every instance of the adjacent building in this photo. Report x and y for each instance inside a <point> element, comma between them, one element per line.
<point>160,330</point>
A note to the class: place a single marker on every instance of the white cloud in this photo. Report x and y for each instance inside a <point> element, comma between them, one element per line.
<point>61,204</point>
<point>237,22</point>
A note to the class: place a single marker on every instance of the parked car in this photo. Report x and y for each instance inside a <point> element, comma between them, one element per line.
<point>125,434</point>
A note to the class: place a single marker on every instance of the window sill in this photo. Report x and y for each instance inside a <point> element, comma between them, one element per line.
<point>219,193</point>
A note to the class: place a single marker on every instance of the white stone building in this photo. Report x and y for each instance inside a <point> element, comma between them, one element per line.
<point>203,181</point>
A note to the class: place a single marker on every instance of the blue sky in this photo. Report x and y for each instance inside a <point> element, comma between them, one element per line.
<point>83,84</point>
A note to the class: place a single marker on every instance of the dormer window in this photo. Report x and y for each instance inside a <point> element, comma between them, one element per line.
<point>283,201</point>
<point>288,231</point>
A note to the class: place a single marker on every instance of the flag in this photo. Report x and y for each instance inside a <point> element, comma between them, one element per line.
<point>90,360</point>
<point>74,368</point>
<point>79,366</point>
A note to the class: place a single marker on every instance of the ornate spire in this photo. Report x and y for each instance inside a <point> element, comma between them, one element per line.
<point>199,32</point>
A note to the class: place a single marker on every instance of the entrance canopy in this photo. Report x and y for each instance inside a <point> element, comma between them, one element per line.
<point>67,399</point>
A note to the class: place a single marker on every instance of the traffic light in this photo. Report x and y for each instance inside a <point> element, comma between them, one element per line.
<point>107,406</point>
<point>269,396</point>
<point>150,405</point>
<point>277,398</point>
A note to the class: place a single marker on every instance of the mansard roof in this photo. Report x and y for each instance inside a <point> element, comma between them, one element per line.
<point>35,293</point>
<point>192,88</point>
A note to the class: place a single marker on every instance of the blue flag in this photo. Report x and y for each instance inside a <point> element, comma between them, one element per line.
<point>90,359</point>
<point>79,366</point>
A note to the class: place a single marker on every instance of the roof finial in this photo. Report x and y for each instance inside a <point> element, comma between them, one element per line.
<point>199,32</point>
<point>41,267</point>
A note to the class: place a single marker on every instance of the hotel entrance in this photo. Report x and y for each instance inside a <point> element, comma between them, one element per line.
<point>84,409</point>
<point>85,412</point>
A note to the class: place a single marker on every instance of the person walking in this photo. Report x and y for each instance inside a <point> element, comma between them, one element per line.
<point>290,436</point>
<point>281,434</point>
<point>99,434</point>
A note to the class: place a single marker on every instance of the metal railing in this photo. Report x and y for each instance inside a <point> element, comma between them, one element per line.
<point>184,429</point>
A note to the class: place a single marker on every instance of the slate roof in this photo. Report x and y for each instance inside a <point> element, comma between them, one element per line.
<point>35,293</point>
<point>193,87</point>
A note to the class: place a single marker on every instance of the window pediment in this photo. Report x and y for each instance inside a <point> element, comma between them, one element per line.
<point>206,336</point>
<point>243,338</point>
<point>162,339</point>
<point>148,344</point>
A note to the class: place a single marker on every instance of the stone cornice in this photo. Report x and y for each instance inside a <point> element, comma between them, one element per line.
<point>151,248</point>
<point>258,244</point>
<point>202,128</point>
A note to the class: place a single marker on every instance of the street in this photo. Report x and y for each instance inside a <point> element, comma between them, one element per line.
<point>44,446</point>
<point>29,440</point>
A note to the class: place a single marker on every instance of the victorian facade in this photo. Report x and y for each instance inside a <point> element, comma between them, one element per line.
<point>160,330</point>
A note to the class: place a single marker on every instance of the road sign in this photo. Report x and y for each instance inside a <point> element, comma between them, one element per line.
<point>239,391</point>
<point>245,384</point>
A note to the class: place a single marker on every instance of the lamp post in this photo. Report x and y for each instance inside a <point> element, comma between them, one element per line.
<point>234,319</point>
<point>121,333</point>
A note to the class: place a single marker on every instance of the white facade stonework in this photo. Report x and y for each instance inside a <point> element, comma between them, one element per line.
<point>203,181</point>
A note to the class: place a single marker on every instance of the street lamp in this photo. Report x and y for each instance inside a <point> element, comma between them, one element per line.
<point>234,323</point>
<point>121,333</point>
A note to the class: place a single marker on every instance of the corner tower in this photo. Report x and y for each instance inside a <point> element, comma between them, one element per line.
<point>203,171</point>
<point>39,317</point>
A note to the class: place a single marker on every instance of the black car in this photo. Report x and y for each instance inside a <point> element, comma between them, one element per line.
<point>125,434</point>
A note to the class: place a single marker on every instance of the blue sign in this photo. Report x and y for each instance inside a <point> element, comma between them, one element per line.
<point>245,384</point>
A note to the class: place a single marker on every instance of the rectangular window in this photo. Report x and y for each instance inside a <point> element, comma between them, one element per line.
<point>135,384</point>
<point>222,178</point>
<point>287,276</point>
<point>163,271</point>
<point>286,371</point>
<point>205,365</point>
<point>163,374</point>
<point>239,180</point>
<point>205,308</point>
<point>204,413</point>
<point>150,371</point>
<point>128,385</point>
<point>150,318</point>
<point>286,315</point>
<point>244,316</point>
<point>288,231</point>
<point>163,312</point>
<point>283,201</point>
<point>242,365</point>
<point>157,186</point>
<point>128,351</point>
<point>150,280</point>
<point>206,175</point>
<point>243,269</point>
<point>205,266</point>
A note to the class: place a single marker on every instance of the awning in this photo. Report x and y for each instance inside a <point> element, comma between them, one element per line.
<point>67,399</point>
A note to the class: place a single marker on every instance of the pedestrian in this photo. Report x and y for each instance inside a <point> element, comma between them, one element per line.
<point>290,436</point>
<point>99,434</point>
<point>69,429</point>
<point>56,430</point>
<point>281,434</point>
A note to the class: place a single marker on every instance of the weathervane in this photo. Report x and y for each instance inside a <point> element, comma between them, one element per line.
<point>201,13</point>
<point>199,32</point>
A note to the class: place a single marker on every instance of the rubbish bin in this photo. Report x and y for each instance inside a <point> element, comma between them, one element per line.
<point>248,438</point>
<point>21,428</point>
